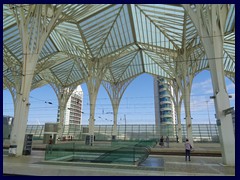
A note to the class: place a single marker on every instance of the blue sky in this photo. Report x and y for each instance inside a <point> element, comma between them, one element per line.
<point>137,103</point>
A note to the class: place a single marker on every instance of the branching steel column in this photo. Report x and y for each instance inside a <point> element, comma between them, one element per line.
<point>96,71</point>
<point>177,101</point>
<point>115,92</point>
<point>186,97</point>
<point>34,29</point>
<point>186,84</point>
<point>184,80</point>
<point>211,30</point>
<point>63,95</point>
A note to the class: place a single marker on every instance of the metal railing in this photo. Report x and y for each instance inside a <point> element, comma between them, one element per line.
<point>200,132</point>
<point>117,152</point>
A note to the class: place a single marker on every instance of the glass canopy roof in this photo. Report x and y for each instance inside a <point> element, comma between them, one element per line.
<point>129,39</point>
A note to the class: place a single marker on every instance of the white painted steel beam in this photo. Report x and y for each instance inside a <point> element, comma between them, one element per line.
<point>33,32</point>
<point>210,24</point>
<point>115,92</point>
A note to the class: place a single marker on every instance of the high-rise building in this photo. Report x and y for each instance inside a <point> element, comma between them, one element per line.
<point>74,107</point>
<point>165,116</point>
<point>73,111</point>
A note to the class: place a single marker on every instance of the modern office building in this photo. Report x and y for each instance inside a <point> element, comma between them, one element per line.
<point>73,111</point>
<point>165,116</point>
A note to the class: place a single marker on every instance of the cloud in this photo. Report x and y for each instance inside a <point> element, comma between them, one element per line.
<point>200,94</point>
<point>205,87</point>
<point>230,87</point>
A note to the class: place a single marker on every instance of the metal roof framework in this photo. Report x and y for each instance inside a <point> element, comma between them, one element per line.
<point>130,39</point>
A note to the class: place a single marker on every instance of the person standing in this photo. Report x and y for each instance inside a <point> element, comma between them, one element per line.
<point>188,148</point>
<point>167,141</point>
<point>50,142</point>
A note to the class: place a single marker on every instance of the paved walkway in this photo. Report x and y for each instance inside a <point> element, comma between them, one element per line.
<point>157,164</point>
<point>206,160</point>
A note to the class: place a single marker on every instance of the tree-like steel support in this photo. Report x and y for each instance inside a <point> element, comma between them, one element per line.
<point>115,92</point>
<point>63,95</point>
<point>177,101</point>
<point>184,74</point>
<point>96,71</point>
<point>184,79</point>
<point>211,30</point>
<point>34,28</point>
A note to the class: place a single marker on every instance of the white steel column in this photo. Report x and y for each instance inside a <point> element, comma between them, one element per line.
<point>186,97</point>
<point>185,69</point>
<point>63,95</point>
<point>211,29</point>
<point>184,80</point>
<point>177,101</point>
<point>95,74</point>
<point>115,92</point>
<point>226,132</point>
<point>33,32</point>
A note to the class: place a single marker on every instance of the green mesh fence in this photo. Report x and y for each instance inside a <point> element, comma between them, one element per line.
<point>117,152</point>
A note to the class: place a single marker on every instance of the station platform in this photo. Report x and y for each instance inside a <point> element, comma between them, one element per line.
<point>206,160</point>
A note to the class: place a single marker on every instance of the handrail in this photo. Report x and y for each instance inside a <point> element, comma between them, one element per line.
<point>132,152</point>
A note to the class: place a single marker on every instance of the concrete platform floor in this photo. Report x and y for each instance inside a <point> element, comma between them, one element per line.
<point>155,165</point>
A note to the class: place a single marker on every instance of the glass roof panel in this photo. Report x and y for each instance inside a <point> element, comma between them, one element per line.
<point>71,32</point>
<point>36,79</point>
<point>148,31</point>
<point>203,64</point>
<point>169,19</point>
<point>163,61</point>
<point>152,68</point>
<point>12,41</point>
<point>120,34</point>
<point>47,49</point>
<point>119,66</point>
<point>64,43</point>
<point>96,29</point>
<point>229,64</point>
<point>134,39</point>
<point>8,17</point>
<point>63,70</point>
<point>229,45</point>
<point>230,25</point>
<point>8,74</point>
<point>135,68</point>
